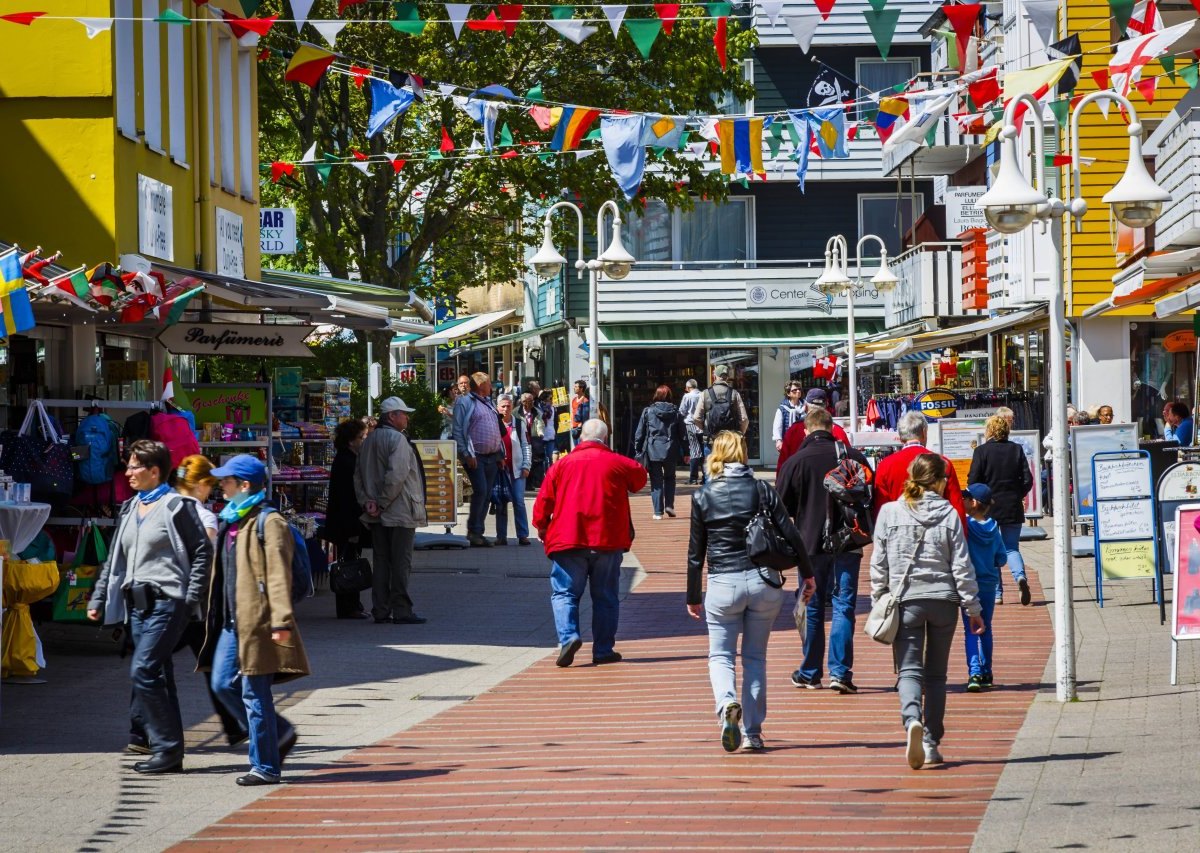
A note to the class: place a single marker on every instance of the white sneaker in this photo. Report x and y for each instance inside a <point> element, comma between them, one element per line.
<point>658,518</point>
<point>916,747</point>
<point>932,754</point>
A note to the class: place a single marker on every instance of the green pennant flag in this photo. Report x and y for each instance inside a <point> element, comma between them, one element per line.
<point>745,183</point>
<point>1122,11</point>
<point>878,5</point>
<point>683,139</point>
<point>1061,110</point>
<point>506,137</point>
<point>408,19</point>
<point>170,16</point>
<point>323,169</point>
<point>931,136</point>
<point>434,154</point>
<point>1190,74</point>
<point>562,13</point>
<point>546,158</point>
<point>883,28</point>
<point>659,151</point>
<point>774,141</point>
<point>249,7</point>
<point>594,134</point>
<point>793,134</point>
<point>1168,64</point>
<point>899,88</point>
<point>951,49</point>
<point>719,10</point>
<point>534,94</point>
<point>644,32</point>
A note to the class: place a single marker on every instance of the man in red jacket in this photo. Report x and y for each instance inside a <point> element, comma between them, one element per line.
<point>794,437</point>
<point>892,470</point>
<point>582,517</point>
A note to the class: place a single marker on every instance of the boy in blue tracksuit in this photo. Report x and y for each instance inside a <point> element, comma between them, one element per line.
<point>988,556</point>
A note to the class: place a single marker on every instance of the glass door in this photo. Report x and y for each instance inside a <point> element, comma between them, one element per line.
<point>744,376</point>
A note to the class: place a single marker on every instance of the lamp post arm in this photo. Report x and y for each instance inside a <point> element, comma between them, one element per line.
<point>1078,205</point>
<point>580,263</point>
<point>1039,134</point>
<point>858,253</point>
<point>616,212</point>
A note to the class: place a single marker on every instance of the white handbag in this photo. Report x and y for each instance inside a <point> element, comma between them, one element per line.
<point>883,622</point>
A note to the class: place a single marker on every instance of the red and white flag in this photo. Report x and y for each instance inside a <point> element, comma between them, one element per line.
<point>1145,19</point>
<point>168,384</point>
<point>825,368</point>
<point>1125,68</point>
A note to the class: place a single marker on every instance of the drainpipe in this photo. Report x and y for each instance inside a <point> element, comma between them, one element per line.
<point>197,165</point>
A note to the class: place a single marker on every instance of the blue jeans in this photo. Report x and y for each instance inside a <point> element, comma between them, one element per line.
<point>483,478</point>
<point>520,512</point>
<point>662,485</point>
<point>837,574</point>
<point>248,698</point>
<point>154,707</point>
<point>740,603</point>
<point>570,571</point>
<point>1011,534</point>
<point>979,648</point>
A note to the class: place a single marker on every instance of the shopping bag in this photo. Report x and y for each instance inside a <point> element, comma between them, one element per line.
<point>24,583</point>
<point>78,578</point>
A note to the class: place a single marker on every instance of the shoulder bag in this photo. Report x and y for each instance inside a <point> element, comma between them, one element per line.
<point>765,545</point>
<point>883,622</point>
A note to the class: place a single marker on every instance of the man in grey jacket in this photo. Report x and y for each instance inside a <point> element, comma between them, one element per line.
<point>390,486</point>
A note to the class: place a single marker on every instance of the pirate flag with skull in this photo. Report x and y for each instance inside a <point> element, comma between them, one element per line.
<point>830,88</point>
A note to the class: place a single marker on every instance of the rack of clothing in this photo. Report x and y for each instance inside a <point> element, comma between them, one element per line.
<point>883,411</point>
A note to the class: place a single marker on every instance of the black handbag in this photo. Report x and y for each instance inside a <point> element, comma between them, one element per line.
<point>39,455</point>
<point>353,575</point>
<point>765,545</point>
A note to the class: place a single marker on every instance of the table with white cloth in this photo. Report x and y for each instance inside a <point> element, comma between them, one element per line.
<point>23,584</point>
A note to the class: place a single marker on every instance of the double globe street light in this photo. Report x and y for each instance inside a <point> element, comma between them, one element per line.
<point>1010,206</point>
<point>835,280</point>
<point>614,262</point>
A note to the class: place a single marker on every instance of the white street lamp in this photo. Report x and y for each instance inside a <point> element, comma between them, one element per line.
<point>835,280</point>
<point>614,262</point>
<point>1011,205</point>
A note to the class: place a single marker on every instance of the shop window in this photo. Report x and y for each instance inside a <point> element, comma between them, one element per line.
<point>709,233</point>
<point>177,89</point>
<point>877,75</point>
<point>151,76</point>
<point>650,233</point>
<point>1163,369</point>
<point>123,53</point>
<point>744,367</point>
<point>888,216</point>
<point>225,76</point>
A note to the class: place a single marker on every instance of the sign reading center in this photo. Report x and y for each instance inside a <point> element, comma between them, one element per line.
<point>222,340</point>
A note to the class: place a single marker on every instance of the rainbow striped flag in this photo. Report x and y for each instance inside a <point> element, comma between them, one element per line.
<point>741,145</point>
<point>572,126</point>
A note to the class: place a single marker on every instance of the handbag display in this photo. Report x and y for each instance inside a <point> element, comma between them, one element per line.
<point>765,545</point>
<point>39,456</point>
<point>883,622</point>
<point>352,575</point>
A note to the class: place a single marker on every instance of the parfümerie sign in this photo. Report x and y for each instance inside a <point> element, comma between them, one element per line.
<point>223,339</point>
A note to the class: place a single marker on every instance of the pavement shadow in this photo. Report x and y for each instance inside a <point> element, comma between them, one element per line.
<point>373,773</point>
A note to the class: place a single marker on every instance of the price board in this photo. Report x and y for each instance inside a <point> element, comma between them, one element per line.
<point>439,459</point>
<point>1126,530</point>
<point>1185,603</point>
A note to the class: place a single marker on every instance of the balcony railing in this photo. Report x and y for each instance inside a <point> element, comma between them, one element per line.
<point>930,284</point>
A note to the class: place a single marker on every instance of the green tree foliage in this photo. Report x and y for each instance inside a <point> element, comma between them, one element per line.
<point>460,219</point>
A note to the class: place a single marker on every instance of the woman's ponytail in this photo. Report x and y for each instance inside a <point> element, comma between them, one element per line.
<point>925,472</point>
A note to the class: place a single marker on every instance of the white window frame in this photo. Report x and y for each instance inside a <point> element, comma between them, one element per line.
<point>918,209</point>
<point>123,52</point>
<point>677,233</point>
<point>914,65</point>
<point>152,75</point>
<point>177,90</point>
<point>729,105</point>
<point>225,54</point>
<point>210,84</point>
<point>247,132</point>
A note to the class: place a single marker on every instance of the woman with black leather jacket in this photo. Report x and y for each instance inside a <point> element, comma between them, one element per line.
<point>742,598</point>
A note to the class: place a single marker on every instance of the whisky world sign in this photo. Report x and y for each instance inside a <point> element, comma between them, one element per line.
<point>232,339</point>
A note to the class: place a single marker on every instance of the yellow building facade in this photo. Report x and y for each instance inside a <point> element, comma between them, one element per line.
<point>141,139</point>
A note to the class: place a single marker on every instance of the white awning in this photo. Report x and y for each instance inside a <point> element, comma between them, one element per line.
<point>957,335</point>
<point>467,327</point>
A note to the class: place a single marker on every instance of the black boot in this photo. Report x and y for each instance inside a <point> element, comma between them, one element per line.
<point>162,762</point>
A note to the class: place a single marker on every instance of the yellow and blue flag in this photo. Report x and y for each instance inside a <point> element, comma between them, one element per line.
<point>741,145</point>
<point>14,299</point>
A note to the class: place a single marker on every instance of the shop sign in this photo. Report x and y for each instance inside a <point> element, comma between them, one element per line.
<point>156,216</point>
<point>236,340</point>
<point>277,231</point>
<point>229,405</point>
<point>406,373</point>
<point>796,295</point>
<point>962,212</point>
<point>231,252</point>
<point>937,403</point>
<point>1182,341</point>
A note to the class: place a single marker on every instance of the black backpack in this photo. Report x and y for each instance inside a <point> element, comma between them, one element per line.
<point>721,414</point>
<point>848,522</point>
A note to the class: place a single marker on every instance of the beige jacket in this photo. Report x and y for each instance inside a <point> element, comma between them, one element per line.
<point>388,472</point>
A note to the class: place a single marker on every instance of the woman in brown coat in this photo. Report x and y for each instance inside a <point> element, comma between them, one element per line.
<point>252,639</point>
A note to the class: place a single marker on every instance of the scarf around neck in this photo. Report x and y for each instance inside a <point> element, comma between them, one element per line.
<point>239,507</point>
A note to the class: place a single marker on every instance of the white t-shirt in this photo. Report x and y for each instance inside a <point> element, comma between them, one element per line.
<point>207,517</point>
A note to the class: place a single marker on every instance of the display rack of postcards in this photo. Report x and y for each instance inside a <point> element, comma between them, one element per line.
<point>328,401</point>
<point>301,455</point>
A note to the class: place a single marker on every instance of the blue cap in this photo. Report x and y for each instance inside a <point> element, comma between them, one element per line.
<point>979,491</point>
<point>244,467</point>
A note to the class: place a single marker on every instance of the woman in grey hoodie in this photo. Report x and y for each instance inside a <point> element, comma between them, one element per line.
<point>921,552</point>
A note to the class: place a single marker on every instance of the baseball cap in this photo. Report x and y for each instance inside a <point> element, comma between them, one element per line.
<point>721,371</point>
<point>394,404</point>
<point>979,492</point>
<point>816,395</point>
<point>244,467</point>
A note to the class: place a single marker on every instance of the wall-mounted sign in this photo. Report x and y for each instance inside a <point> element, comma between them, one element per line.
<point>801,295</point>
<point>156,218</point>
<point>231,251</point>
<point>1182,341</point>
<point>937,403</point>
<point>223,405</point>
<point>277,231</point>
<point>232,339</point>
<point>406,373</point>
<point>961,210</point>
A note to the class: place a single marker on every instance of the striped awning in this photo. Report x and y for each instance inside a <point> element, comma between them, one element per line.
<point>730,333</point>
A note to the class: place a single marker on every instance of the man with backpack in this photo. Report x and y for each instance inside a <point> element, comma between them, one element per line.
<point>252,641</point>
<point>825,486</point>
<point>721,407</point>
<point>390,485</point>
